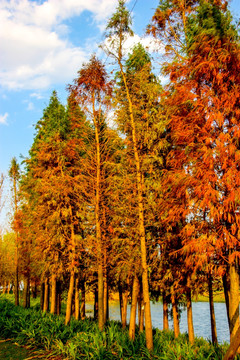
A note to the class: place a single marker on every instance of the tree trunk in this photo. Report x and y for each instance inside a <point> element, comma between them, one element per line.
<point>53,309</point>
<point>34,290</point>
<point>226,287</point>
<point>120,292</point>
<point>4,287</point>
<point>212,313</point>
<point>132,323</point>
<point>46,296</point>
<point>98,226</point>
<point>26,292</point>
<point>175,315</point>
<point>234,346</point>
<point>59,295</point>
<point>83,299</point>
<point>189,314</point>
<point>100,295</point>
<point>77,301</point>
<point>16,288</point>
<point>234,300</point>
<point>139,180</point>
<point>70,297</point>
<point>9,287</point>
<point>165,311</point>
<point>106,300</point>
<point>42,295</point>
<point>140,313</point>
<point>123,300</point>
<point>96,303</point>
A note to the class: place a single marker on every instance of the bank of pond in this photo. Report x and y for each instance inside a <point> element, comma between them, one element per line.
<point>44,332</point>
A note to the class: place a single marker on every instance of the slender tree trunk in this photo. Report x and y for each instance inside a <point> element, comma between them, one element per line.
<point>140,309</point>
<point>123,300</point>
<point>16,288</point>
<point>189,313</point>
<point>53,309</point>
<point>26,292</point>
<point>46,296</point>
<point>17,240</point>
<point>175,315</point>
<point>42,295</point>
<point>96,303</point>
<point>139,179</point>
<point>9,287</point>
<point>34,290</point>
<point>98,226</point>
<point>165,312</point>
<point>140,314</point>
<point>124,309</point>
<point>212,312</point>
<point>59,295</point>
<point>234,300</point>
<point>4,287</point>
<point>105,296</point>
<point>70,297</point>
<point>83,300</point>
<point>77,300</point>
<point>132,323</point>
<point>120,292</point>
<point>100,297</point>
<point>226,287</point>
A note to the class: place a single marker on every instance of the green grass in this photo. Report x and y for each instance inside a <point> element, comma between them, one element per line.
<point>218,297</point>
<point>83,340</point>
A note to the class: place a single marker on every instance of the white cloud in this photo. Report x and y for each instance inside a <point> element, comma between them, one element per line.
<point>148,42</point>
<point>34,49</point>
<point>3,119</point>
<point>30,106</point>
<point>38,96</point>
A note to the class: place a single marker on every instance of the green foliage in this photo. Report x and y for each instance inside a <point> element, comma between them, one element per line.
<point>84,340</point>
<point>209,21</point>
<point>120,22</point>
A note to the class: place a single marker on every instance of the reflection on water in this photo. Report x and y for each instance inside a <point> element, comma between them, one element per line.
<point>201,318</point>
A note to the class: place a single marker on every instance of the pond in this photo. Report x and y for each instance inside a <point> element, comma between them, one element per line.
<point>201,318</point>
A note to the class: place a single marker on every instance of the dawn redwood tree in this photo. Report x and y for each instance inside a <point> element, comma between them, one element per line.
<point>14,174</point>
<point>92,90</point>
<point>137,96</point>
<point>203,109</point>
<point>53,183</point>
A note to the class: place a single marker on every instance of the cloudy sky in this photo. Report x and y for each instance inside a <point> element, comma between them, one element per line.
<point>42,46</point>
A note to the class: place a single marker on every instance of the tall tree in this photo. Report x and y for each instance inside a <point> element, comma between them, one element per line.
<point>203,102</point>
<point>14,174</point>
<point>53,182</point>
<point>134,97</point>
<point>92,89</point>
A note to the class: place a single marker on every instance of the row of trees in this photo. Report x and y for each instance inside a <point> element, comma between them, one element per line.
<point>151,204</point>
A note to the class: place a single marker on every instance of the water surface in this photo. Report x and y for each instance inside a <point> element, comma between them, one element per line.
<point>201,318</point>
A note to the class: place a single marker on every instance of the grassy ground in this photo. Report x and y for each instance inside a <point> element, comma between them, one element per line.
<point>9,351</point>
<point>218,297</point>
<point>47,334</point>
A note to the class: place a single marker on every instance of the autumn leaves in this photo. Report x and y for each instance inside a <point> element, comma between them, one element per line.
<point>154,205</point>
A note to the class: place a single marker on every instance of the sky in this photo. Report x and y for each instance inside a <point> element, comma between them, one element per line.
<point>43,44</point>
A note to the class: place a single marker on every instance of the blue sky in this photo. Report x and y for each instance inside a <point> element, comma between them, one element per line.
<point>42,46</point>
